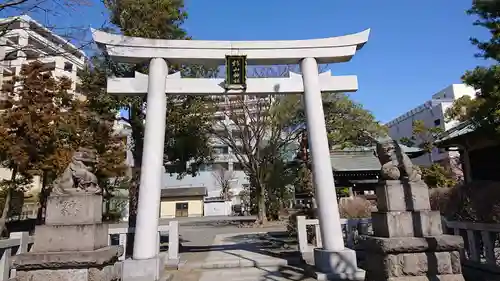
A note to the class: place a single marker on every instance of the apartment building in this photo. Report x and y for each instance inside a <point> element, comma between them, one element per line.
<point>210,174</point>
<point>24,40</point>
<point>432,113</point>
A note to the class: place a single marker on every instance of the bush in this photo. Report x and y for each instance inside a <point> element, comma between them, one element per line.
<point>475,202</point>
<point>291,226</point>
<point>112,217</point>
<point>355,208</point>
<point>437,176</point>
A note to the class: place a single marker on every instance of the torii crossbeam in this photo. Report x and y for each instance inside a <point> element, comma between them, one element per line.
<point>175,85</point>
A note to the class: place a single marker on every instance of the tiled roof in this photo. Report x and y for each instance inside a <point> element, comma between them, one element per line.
<point>184,191</point>
<point>354,161</point>
<point>363,158</point>
<point>457,131</point>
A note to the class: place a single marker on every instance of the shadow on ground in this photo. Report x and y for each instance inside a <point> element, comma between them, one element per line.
<point>267,245</point>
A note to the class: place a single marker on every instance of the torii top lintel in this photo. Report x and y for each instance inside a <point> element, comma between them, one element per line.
<point>135,49</point>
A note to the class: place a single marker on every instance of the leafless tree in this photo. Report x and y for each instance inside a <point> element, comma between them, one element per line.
<point>223,179</point>
<point>258,133</point>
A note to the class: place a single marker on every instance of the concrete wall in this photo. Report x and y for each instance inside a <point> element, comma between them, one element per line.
<point>208,180</point>
<point>195,206</point>
<point>219,208</point>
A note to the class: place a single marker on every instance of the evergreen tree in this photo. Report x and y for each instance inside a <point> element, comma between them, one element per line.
<point>484,112</point>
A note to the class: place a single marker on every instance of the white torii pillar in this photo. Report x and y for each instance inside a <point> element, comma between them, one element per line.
<point>152,159</point>
<point>333,257</point>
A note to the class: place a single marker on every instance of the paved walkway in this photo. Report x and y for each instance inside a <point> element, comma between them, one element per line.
<point>209,254</point>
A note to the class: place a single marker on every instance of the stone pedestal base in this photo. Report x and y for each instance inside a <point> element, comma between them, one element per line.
<point>413,258</point>
<point>143,270</point>
<point>341,265</point>
<point>107,273</point>
<point>98,265</point>
<point>448,277</point>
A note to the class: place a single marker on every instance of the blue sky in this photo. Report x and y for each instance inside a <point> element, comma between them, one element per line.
<point>416,48</point>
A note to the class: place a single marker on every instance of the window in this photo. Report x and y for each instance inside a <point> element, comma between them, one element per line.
<point>181,209</point>
<point>222,133</point>
<point>237,167</point>
<point>205,167</point>
<point>236,118</point>
<point>68,67</point>
<point>437,122</point>
<point>221,150</point>
<point>219,117</point>
<point>221,165</point>
<point>237,134</point>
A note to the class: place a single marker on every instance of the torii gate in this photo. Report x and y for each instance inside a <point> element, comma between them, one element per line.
<point>307,53</point>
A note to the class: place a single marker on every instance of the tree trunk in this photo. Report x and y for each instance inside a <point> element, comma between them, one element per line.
<point>44,193</point>
<point>134,197</point>
<point>261,205</point>
<point>136,123</point>
<point>107,205</point>
<point>6,206</point>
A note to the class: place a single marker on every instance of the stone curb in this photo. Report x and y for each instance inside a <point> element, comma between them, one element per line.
<point>231,263</point>
<point>357,276</point>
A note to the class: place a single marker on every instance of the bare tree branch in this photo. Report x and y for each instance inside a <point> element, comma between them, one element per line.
<point>258,131</point>
<point>59,40</point>
<point>223,179</point>
<point>11,4</point>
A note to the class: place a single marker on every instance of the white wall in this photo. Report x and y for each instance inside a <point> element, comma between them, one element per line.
<point>47,48</point>
<point>222,208</point>
<point>454,92</point>
<point>208,180</point>
<point>432,113</point>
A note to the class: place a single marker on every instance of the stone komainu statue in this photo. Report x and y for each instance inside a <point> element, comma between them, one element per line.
<point>78,176</point>
<point>396,165</point>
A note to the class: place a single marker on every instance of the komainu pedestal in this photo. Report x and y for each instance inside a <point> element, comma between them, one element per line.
<point>72,245</point>
<point>408,242</point>
<point>409,245</point>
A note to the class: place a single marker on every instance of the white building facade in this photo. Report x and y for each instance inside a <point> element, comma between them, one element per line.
<point>432,113</point>
<point>24,40</point>
<point>210,174</point>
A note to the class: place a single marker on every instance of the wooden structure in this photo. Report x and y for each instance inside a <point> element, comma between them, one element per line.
<point>479,153</point>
